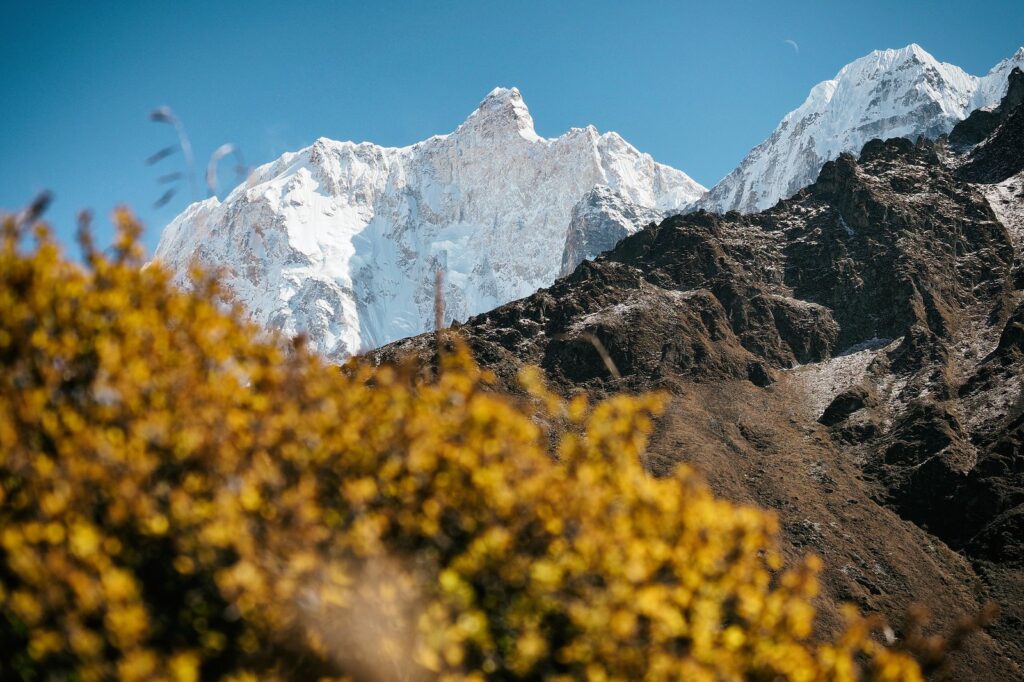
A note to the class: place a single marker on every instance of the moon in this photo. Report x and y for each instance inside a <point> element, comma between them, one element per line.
<point>791,42</point>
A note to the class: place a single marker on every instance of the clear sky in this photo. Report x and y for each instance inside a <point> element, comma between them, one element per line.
<point>694,84</point>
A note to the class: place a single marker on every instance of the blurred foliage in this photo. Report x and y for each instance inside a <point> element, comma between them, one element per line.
<point>183,498</point>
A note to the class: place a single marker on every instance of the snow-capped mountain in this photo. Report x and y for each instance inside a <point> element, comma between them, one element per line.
<point>888,93</point>
<point>341,241</point>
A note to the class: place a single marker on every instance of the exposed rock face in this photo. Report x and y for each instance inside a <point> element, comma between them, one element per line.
<point>340,241</point>
<point>886,94</point>
<point>852,358</point>
<point>846,404</point>
<point>1000,154</point>
<point>599,221</point>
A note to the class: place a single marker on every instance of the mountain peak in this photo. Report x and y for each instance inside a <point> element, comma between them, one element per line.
<point>904,92</point>
<point>500,94</point>
<point>911,52</point>
<point>884,61</point>
<point>503,109</point>
<point>915,50</point>
<point>1015,59</point>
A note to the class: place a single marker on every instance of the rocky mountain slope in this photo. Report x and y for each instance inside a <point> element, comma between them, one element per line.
<point>888,93</point>
<point>341,241</point>
<point>851,358</point>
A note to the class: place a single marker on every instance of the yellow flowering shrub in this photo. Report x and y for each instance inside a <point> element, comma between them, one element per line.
<point>183,498</point>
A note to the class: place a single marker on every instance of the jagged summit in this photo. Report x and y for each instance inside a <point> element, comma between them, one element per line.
<point>886,58</point>
<point>501,94</point>
<point>501,98</point>
<point>503,109</point>
<point>341,240</point>
<point>1006,65</point>
<point>902,92</point>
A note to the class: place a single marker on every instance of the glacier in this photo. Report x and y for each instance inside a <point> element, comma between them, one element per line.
<point>341,241</point>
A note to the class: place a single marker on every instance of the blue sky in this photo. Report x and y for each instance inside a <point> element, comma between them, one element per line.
<point>695,85</point>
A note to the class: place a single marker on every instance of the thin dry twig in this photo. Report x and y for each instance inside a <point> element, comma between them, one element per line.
<point>606,357</point>
<point>439,300</point>
<point>218,154</point>
<point>35,209</point>
<point>165,115</point>
<point>84,235</point>
<point>160,155</point>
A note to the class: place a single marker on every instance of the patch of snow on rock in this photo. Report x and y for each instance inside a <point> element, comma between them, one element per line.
<point>822,381</point>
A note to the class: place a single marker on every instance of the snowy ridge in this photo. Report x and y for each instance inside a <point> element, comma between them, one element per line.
<point>888,93</point>
<point>340,241</point>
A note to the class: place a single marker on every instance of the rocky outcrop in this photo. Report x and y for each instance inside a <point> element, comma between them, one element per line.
<point>982,122</point>
<point>845,404</point>
<point>600,220</point>
<point>999,155</point>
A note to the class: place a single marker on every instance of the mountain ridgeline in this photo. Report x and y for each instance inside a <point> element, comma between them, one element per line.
<point>851,358</point>
<point>340,241</point>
